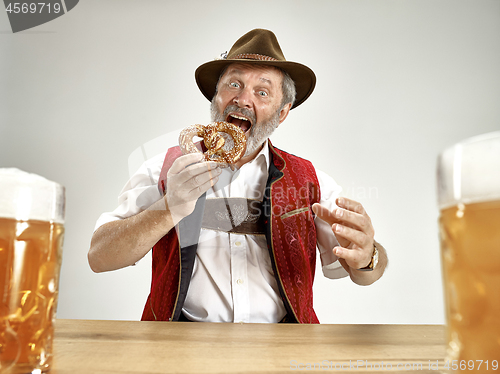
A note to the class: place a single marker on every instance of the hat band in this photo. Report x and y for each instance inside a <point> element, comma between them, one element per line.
<point>253,56</point>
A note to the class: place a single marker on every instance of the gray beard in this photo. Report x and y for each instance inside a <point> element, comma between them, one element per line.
<point>259,132</point>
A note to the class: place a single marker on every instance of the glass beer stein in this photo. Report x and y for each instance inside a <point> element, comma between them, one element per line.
<point>469,200</point>
<point>31,236</point>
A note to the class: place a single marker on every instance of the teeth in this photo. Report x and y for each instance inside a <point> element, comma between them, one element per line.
<point>238,117</point>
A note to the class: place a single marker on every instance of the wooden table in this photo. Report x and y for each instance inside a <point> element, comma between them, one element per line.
<point>107,347</point>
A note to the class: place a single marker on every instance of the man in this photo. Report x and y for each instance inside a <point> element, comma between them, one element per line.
<point>239,246</point>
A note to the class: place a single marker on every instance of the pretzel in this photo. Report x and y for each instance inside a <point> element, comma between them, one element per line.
<point>214,142</point>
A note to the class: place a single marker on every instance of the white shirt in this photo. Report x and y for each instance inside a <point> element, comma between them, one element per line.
<point>232,278</point>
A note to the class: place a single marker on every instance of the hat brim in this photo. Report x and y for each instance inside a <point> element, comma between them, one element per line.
<point>207,76</point>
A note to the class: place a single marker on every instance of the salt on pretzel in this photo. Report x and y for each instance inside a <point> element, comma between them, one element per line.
<point>214,142</point>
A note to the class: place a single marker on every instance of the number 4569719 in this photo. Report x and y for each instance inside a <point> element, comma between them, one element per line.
<point>33,8</point>
<point>471,365</point>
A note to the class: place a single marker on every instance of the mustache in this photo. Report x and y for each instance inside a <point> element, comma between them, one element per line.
<point>245,112</point>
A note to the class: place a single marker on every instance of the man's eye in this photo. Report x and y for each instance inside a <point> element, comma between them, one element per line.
<point>262,93</point>
<point>234,84</point>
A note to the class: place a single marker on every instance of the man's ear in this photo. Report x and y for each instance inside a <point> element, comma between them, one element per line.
<point>284,112</point>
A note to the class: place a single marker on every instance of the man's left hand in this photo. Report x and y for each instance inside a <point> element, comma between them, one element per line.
<point>353,229</point>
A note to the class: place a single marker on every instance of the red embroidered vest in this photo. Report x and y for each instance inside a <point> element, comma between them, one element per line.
<point>292,188</point>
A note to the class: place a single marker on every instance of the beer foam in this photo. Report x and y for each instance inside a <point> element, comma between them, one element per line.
<point>26,196</point>
<point>468,171</point>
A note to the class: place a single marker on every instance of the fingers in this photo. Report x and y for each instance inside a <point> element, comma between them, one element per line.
<point>325,214</point>
<point>200,183</point>
<point>353,229</point>
<point>356,259</point>
<point>182,162</point>
<point>192,173</point>
<point>352,214</point>
<point>351,205</point>
<point>187,180</point>
<point>359,238</point>
<point>329,217</point>
<point>195,179</point>
<point>349,213</point>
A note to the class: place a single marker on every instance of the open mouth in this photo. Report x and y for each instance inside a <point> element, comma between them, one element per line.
<point>239,120</point>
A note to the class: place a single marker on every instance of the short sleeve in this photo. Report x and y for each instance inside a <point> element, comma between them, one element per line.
<point>138,194</point>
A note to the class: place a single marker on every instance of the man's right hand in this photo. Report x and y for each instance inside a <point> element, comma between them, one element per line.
<point>187,180</point>
<point>122,243</point>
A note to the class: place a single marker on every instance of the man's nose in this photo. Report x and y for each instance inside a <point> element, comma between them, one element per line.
<point>243,99</point>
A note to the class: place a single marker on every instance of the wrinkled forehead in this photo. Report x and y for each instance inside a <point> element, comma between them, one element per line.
<point>266,72</point>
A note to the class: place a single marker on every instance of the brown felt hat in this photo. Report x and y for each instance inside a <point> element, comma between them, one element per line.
<point>257,47</point>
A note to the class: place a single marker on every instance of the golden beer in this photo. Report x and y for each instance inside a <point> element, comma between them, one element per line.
<point>30,259</point>
<point>470,242</point>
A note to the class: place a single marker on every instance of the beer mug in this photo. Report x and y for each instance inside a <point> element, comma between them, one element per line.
<point>469,201</point>
<point>31,236</point>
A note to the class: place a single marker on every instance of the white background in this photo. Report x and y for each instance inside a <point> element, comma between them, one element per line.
<point>398,81</point>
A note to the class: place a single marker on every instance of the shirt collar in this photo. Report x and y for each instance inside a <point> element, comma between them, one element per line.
<point>263,155</point>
